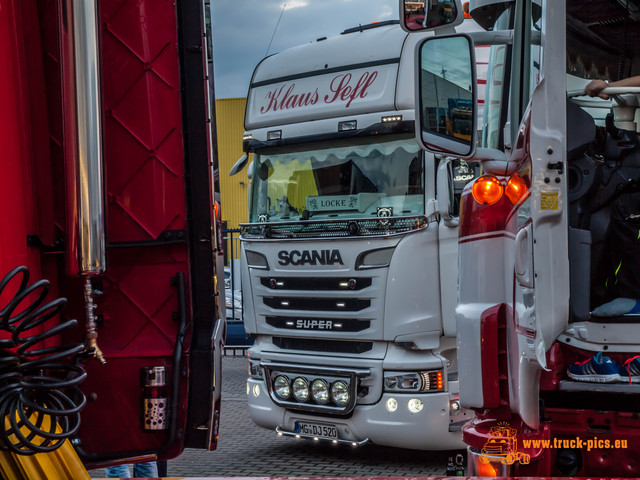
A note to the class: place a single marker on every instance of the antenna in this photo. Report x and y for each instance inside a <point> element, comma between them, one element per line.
<point>275,29</point>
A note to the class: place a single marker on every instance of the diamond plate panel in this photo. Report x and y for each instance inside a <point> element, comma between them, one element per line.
<point>133,21</point>
<point>152,198</point>
<point>138,304</point>
<point>143,141</point>
<point>118,81</point>
<point>149,110</point>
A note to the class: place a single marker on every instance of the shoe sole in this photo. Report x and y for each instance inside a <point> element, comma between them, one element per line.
<point>625,379</point>
<point>612,378</point>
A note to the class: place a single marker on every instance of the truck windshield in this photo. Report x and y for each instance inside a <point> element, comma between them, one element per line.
<point>359,179</point>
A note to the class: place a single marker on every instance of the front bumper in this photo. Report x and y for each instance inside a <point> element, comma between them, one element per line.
<point>428,429</point>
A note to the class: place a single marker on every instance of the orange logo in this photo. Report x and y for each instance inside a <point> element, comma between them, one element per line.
<point>502,446</point>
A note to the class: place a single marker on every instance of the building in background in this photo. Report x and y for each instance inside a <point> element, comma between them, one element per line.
<point>233,190</point>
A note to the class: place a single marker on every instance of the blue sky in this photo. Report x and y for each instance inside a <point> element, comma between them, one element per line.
<point>243,29</point>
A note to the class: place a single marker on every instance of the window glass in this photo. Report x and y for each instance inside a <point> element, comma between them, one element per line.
<point>355,180</point>
<point>535,66</point>
<point>496,79</point>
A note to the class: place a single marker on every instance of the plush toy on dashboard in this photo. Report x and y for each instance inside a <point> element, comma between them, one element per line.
<point>285,208</point>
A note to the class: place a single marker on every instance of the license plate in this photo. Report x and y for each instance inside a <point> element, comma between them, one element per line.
<point>317,430</point>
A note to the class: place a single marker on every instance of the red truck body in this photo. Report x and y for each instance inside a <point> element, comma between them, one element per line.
<point>156,300</point>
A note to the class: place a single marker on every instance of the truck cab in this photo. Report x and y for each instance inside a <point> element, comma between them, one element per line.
<point>348,278</point>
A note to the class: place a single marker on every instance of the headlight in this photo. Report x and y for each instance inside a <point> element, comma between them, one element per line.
<point>340,393</point>
<point>320,391</point>
<point>301,389</point>
<point>281,387</point>
<point>431,381</point>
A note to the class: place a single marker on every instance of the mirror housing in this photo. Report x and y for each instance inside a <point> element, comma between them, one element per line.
<point>446,95</point>
<point>239,165</point>
<point>444,187</point>
<point>430,15</point>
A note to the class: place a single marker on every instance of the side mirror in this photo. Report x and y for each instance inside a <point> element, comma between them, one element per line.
<point>239,165</point>
<point>421,15</point>
<point>446,93</point>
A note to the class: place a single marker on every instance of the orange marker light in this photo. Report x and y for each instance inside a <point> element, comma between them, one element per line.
<point>516,189</point>
<point>465,8</point>
<point>439,381</point>
<point>486,469</point>
<point>487,190</point>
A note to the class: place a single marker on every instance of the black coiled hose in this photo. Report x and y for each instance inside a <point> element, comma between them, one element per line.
<point>40,398</point>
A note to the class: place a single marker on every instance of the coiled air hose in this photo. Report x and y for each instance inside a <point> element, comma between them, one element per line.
<point>40,398</point>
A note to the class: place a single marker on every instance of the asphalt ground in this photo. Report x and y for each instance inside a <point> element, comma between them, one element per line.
<point>245,450</point>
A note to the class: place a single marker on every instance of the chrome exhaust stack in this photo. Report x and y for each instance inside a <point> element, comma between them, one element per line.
<point>86,248</point>
<point>91,231</point>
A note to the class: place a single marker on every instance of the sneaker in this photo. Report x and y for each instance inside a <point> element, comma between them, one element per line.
<point>630,371</point>
<point>597,369</point>
<point>617,308</point>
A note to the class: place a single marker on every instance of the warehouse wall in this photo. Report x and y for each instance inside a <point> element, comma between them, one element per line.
<point>233,190</point>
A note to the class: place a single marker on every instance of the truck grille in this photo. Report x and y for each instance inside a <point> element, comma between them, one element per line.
<point>319,324</point>
<point>333,228</point>
<point>315,283</point>
<point>320,304</point>
<point>317,345</point>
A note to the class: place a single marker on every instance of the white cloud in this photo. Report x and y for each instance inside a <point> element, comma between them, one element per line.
<point>295,4</point>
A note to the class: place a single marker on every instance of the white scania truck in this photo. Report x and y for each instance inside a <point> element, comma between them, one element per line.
<point>349,260</point>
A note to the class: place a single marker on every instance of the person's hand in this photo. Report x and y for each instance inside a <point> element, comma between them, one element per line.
<point>594,87</point>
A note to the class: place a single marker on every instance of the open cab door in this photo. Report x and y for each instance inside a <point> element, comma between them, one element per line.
<point>510,310</point>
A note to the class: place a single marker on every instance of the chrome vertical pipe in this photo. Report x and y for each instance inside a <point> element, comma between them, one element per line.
<point>91,230</point>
